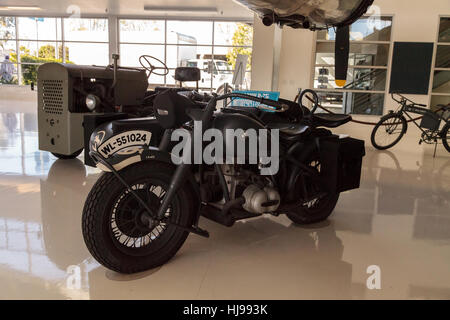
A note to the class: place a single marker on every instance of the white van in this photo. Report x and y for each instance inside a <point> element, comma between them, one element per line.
<point>220,70</point>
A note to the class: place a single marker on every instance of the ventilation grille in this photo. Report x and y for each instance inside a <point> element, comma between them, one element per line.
<point>53,96</point>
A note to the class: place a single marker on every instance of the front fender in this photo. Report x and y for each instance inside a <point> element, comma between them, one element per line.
<point>121,160</point>
<point>121,143</point>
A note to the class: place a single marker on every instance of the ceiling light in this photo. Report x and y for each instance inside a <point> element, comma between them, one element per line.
<point>172,9</point>
<point>24,8</point>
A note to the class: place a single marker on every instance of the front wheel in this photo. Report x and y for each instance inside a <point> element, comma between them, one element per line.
<point>116,229</point>
<point>388,131</point>
<point>445,134</point>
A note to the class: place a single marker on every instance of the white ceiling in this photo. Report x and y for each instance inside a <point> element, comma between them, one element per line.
<point>226,8</point>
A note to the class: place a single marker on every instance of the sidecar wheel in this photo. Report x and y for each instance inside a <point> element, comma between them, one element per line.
<point>303,214</point>
<point>115,230</point>
<point>320,206</point>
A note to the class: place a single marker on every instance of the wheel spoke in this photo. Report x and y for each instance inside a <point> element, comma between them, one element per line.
<point>123,222</point>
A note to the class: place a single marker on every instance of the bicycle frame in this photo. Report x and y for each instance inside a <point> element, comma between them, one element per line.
<point>416,108</point>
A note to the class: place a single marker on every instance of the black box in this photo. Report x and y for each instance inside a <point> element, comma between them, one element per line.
<point>341,162</point>
<point>430,121</point>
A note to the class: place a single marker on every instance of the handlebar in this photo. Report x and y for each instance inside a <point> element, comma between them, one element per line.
<point>405,99</point>
<point>279,107</point>
<point>315,101</point>
<point>211,107</point>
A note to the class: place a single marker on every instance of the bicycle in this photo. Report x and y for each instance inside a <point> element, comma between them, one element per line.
<point>393,126</point>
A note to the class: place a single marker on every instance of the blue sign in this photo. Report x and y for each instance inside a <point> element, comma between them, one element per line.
<point>239,102</point>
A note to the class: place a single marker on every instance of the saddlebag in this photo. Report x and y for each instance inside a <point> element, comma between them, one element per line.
<point>341,161</point>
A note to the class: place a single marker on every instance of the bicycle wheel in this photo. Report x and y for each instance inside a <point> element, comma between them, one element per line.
<point>445,134</point>
<point>388,132</point>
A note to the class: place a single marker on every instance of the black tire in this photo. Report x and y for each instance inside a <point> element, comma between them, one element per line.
<point>66,157</point>
<point>301,212</point>
<point>109,207</point>
<point>390,124</point>
<point>445,134</point>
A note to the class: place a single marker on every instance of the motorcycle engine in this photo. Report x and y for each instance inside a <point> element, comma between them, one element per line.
<point>259,200</point>
<point>259,194</point>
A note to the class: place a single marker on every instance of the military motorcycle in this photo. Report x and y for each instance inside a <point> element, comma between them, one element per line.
<point>145,204</point>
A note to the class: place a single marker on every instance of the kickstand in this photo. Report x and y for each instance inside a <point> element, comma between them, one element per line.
<point>435,147</point>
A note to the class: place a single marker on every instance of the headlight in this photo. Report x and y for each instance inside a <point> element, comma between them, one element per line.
<point>92,101</point>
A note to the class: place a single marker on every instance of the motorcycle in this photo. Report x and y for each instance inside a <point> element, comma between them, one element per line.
<point>145,204</point>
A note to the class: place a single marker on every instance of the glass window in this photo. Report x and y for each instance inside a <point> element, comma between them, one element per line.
<point>357,79</point>
<point>331,99</point>
<point>36,28</point>
<point>444,30</point>
<point>9,76</point>
<point>81,29</point>
<point>364,103</point>
<point>142,31</point>
<point>189,32</point>
<point>441,82</point>
<point>180,56</point>
<point>40,41</point>
<point>233,34</point>
<point>7,28</point>
<point>351,102</point>
<point>28,48</point>
<point>437,101</point>
<point>360,54</point>
<point>7,47</point>
<point>364,29</point>
<point>97,53</point>
<point>229,55</point>
<point>188,43</point>
<point>443,57</point>
<point>361,75</point>
<point>441,78</point>
<point>130,53</point>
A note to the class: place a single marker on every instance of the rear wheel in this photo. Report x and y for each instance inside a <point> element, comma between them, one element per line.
<point>388,132</point>
<point>116,229</point>
<point>445,134</point>
<point>67,156</point>
<point>316,204</point>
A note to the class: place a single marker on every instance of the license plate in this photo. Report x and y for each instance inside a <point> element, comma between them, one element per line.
<point>124,140</point>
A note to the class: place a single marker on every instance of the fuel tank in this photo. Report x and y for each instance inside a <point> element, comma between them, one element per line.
<point>312,13</point>
<point>241,136</point>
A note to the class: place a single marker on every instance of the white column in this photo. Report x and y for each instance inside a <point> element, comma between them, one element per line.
<point>266,56</point>
<point>113,32</point>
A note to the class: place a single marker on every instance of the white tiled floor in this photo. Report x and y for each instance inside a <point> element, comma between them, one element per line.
<point>399,220</point>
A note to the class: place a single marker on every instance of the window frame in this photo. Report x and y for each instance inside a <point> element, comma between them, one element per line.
<point>114,34</point>
<point>343,91</point>
<point>166,44</point>
<point>432,94</point>
<point>62,41</point>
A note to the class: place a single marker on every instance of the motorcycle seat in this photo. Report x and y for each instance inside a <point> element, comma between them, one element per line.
<point>289,131</point>
<point>328,120</point>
